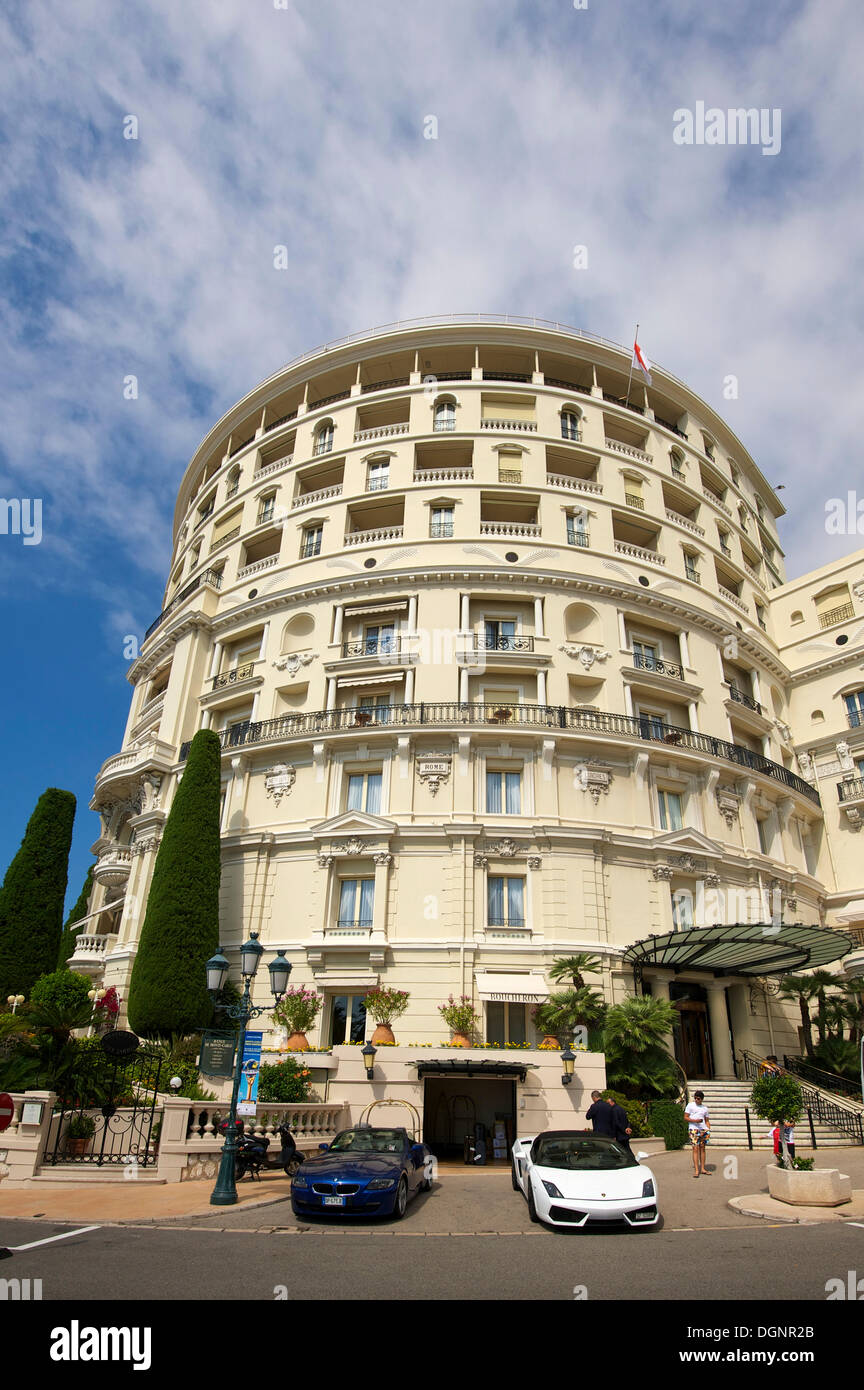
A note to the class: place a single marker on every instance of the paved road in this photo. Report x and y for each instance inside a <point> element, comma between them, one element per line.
<point>469,1238</point>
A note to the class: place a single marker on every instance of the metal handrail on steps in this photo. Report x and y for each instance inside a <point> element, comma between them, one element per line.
<point>828,1110</point>
<point>824,1080</point>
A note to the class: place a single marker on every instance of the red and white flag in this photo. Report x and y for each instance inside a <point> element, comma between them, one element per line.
<point>641,361</point>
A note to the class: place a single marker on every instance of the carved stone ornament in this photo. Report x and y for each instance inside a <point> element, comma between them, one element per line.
<point>729,805</point>
<point>662,872</point>
<point>293,661</point>
<point>594,779</point>
<point>688,865</point>
<point>845,756</point>
<point>712,880</point>
<point>583,653</point>
<point>534,861</point>
<point>805,763</point>
<point>505,848</point>
<point>853,815</point>
<point>146,843</point>
<point>783,730</point>
<point>792,904</point>
<point>433,769</point>
<point>382,857</point>
<point>279,780</point>
<point>480,861</point>
<point>858,588</point>
<point>353,846</point>
<point>151,785</point>
<point>324,861</point>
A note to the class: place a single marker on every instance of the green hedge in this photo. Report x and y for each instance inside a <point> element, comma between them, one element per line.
<point>666,1118</point>
<point>637,1115</point>
<point>32,895</point>
<point>168,989</point>
<point>286,1082</point>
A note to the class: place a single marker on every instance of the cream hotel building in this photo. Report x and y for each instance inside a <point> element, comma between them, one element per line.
<point>505,667</point>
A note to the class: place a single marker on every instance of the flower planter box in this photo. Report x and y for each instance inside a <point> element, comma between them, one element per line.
<point>822,1187</point>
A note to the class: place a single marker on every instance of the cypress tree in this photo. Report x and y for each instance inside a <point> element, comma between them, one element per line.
<point>67,939</point>
<point>31,898</point>
<point>168,988</point>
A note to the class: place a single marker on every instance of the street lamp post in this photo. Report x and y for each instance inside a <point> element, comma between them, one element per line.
<point>225,1192</point>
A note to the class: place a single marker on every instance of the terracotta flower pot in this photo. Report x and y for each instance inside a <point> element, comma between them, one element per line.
<point>383,1034</point>
<point>460,1040</point>
<point>76,1147</point>
<point>298,1042</point>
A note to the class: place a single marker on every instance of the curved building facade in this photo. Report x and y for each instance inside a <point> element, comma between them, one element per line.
<point>486,628</point>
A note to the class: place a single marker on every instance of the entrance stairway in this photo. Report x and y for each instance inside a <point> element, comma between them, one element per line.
<point>727,1101</point>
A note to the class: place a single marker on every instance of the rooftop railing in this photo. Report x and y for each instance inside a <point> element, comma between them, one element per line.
<point>212,577</point>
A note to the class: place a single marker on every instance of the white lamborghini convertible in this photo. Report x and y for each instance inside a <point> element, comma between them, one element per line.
<point>575,1178</point>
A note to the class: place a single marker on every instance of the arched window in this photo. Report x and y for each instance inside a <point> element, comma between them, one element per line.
<point>570,425</point>
<point>445,417</point>
<point>676,458</point>
<point>324,437</point>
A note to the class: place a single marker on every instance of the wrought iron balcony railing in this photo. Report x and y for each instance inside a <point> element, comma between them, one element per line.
<point>212,577</point>
<point>742,699</point>
<point>441,530</point>
<point>373,646</point>
<point>855,718</point>
<point>488,642</point>
<point>662,668</point>
<point>851,790</point>
<point>239,673</point>
<point>834,615</point>
<point>562,717</point>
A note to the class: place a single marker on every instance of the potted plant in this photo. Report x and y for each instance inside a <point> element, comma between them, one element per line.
<point>501,715</point>
<point>461,1019</point>
<point>779,1099</point>
<point>79,1132</point>
<point>297,1011</point>
<point>544,1018</point>
<point>385,1005</point>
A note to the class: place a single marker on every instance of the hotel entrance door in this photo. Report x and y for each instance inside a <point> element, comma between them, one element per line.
<point>693,1034</point>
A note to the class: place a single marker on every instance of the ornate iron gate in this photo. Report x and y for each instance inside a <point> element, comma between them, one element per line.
<point>109,1117</point>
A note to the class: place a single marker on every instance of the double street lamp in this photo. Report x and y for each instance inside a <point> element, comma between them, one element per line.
<point>225,1192</point>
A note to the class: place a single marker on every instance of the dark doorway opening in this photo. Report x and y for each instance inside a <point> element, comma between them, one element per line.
<point>693,1033</point>
<point>461,1108</point>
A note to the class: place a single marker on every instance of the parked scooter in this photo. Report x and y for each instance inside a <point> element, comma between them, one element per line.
<point>289,1158</point>
<point>251,1155</point>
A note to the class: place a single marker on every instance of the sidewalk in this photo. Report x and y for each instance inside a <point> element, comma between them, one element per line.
<point>131,1201</point>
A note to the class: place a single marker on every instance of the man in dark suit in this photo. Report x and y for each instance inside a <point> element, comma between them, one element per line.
<point>601,1116</point>
<point>620,1125</point>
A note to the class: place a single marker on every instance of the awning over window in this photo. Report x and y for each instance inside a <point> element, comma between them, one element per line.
<point>852,912</point>
<point>359,611</point>
<point>513,988</point>
<point>753,948</point>
<point>372,680</point>
<point>503,1071</point>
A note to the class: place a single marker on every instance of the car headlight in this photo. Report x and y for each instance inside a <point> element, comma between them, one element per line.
<point>648,1188</point>
<point>298,1180</point>
<point>551,1189</point>
<point>380,1184</point>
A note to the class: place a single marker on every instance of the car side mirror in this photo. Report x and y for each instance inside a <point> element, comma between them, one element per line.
<point>323,1147</point>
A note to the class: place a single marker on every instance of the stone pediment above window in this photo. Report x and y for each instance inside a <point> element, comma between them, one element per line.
<point>688,842</point>
<point>353,834</point>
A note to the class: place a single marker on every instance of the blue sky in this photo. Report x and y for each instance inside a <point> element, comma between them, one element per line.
<point>303,126</point>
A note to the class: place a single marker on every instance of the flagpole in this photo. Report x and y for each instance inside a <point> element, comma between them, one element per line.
<point>630,377</point>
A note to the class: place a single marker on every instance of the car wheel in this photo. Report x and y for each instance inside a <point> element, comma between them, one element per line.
<point>513,1178</point>
<point>532,1210</point>
<point>401,1199</point>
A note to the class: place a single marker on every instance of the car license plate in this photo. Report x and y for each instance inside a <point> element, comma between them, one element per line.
<point>334,1201</point>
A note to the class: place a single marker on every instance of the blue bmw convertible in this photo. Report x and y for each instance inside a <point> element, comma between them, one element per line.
<point>366,1170</point>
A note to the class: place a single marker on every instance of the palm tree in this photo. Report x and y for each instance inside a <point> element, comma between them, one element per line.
<point>570,1009</point>
<point>823,980</point>
<point>802,988</point>
<point>634,1040</point>
<point>572,967</point>
<point>854,991</point>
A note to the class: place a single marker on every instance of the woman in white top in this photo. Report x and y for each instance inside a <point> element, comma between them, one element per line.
<point>699,1127</point>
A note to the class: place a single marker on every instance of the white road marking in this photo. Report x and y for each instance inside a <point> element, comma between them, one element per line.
<point>82,1230</point>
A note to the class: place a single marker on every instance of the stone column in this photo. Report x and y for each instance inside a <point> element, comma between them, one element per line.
<point>721,1046</point>
<point>541,687</point>
<point>538,618</point>
<point>331,693</point>
<point>463,685</point>
<point>659,981</point>
<point>337,625</point>
<point>464,612</point>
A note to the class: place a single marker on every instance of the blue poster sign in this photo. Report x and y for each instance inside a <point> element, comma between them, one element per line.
<point>248,1098</point>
